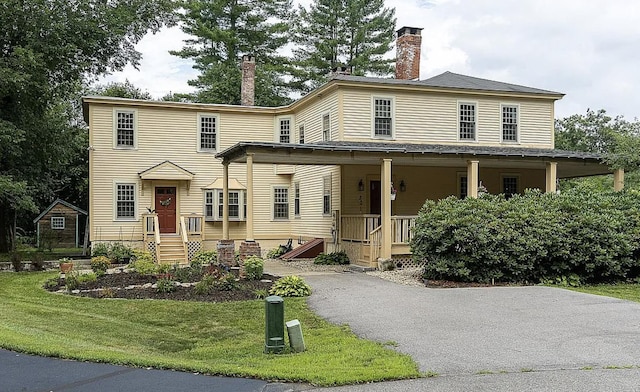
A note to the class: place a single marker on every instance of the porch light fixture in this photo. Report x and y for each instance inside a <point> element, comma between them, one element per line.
<point>361,186</point>
<point>403,186</point>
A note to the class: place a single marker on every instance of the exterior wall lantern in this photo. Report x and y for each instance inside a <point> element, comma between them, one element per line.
<point>403,186</point>
<point>361,186</point>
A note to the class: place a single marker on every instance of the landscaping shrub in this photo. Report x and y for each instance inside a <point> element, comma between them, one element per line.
<point>16,261</point>
<point>165,284</point>
<point>143,255</point>
<point>333,258</point>
<point>71,281</point>
<point>206,284</point>
<point>100,264</point>
<point>86,278</point>
<point>290,286</point>
<point>120,253</point>
<point>254,267</point>
<point>100,249</point>
<point>579,236</point>
<point>205,257</point>
<point>227,282</point>
<point>276,252</point>
<point>144,266</point>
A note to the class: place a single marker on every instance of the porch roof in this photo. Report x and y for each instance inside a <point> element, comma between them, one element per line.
<point>570,163</point>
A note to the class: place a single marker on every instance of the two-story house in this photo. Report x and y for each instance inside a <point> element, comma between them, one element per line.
<point>351,162</point>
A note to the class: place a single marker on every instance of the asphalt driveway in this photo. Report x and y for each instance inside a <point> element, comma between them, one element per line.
<point>488,331</point>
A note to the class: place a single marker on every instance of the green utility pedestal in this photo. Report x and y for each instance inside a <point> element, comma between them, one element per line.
<point>274,324</point>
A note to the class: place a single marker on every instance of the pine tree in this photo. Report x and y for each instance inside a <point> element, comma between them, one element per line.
<point>353,33</point>
<point>224,31</point>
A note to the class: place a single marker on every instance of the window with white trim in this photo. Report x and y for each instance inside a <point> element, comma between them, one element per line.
<point>125,128</point>
<point>214,204</point>
<point>509,123</point>
<point>301,134</point>
<point>125,201</point>
<point>207,133</point>
<point>509,186</point>
<point>462,186</point>
<point>467,121</point>
<point>296,199</point>
<point>280,202</point>
<point>382,121</point>
<point>326,196</point>
<point>285,130</point>
<point>326,128</point>
<point>57,223</point>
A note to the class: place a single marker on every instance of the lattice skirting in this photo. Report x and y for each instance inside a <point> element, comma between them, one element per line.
<point>406,261</point>
<point>151,247</point>
<point>193,247</point>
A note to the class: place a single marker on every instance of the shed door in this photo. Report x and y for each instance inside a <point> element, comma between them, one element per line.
<point>166,209</point>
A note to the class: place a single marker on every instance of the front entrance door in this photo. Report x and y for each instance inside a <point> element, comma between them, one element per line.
<point>374,198</point>
<point>166,209</point>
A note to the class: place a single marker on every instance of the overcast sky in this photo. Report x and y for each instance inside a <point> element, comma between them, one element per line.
<point>586,49</point>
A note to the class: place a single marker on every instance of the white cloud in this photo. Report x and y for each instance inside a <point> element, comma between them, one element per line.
<point>586,49</point>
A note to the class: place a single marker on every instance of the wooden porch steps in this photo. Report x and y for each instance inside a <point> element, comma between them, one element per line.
<point>171,249</point>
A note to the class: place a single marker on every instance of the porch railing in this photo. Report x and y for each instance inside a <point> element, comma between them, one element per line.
<point>376,243</point>
<point>151,233</point>
<point>358,227</point>
<point>185,238</point>
<point>402,229</point>
<point>192,233</point>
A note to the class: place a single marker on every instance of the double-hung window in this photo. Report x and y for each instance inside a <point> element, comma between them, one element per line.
<point>57,222</point>
<point>280,203</point>
<point>207,133</point>
<point>462,186</point>
<point>285,130</point>
<point>296,199</point>
<point>467,121</point>
<point>383,118</point>
<point>326,128</point>
<point>509,123</point>
<point>301,134</point>
<point>214,204</point>
<point>125,128</point>
<point>125,201</point>
<point>509,186</point>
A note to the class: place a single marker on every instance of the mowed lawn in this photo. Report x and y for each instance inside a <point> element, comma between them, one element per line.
<point>628,291</point>
<point>211,338</point>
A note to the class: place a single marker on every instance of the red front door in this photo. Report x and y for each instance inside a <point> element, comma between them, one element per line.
<point>166,209</point>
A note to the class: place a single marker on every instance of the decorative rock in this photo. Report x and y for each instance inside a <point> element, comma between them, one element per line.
<point>154,286</point>
<point>131,287</point>
<point>266,280</point>
<point>75,291</point>
<point>147,285</point>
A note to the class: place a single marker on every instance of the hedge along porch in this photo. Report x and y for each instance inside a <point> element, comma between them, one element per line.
<point>383,185</point>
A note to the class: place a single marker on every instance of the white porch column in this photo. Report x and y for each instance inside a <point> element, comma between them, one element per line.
<point>249,197</point>
<point>618,180</point>
<point>472,179</point>
<point>225,200</point>
<point>385,252</point>
<point>551,177</point>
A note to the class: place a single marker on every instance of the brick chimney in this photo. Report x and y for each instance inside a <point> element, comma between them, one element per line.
<point>248,89</point>
<point>408,53</point>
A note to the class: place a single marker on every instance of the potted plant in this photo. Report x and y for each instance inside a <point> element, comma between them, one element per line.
<point>393,192</point>
<point>66,265</point>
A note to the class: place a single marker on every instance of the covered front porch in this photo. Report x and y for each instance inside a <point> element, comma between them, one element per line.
<point>383,185</point>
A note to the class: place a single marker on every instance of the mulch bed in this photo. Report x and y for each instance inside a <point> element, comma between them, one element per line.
<point>114,286</point>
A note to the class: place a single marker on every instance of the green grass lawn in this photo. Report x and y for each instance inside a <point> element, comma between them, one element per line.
<point>27,254</point>
<point>222,339</point>
<point>626,291</point>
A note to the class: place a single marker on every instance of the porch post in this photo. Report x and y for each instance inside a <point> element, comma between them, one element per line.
<point>225,200</point>
<point>249,197</point>
<point>386,209</point>
<point>472,179</point>
<point>551,177</point>
<point>618,180</point>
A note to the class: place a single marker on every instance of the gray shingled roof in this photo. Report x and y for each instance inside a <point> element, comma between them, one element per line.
<point>443,149</point>
<point>453,81</point>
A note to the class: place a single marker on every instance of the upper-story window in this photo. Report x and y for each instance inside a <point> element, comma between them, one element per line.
<point>326,127</point>
<point>207,133</point>
<point>125,136</point>
<point>301,134</point>
<point>467,121</point>
<point>509,123</point>
<point>383,118</point>
<point>285,130</point>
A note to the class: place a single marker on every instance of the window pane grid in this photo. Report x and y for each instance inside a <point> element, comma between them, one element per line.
<point>301,134</point>
<point>57,223</point>
<point>125,125</point>
<point>125,201</point>
<point>234,204</point>
<point>463,187</point>
<point>510,123</point>
<point>207,133</point>
<point>296,200</point>
<point>382,117</point>
<point>326,128</point>
<point>281,203</point>
<point>467,121</point>
<point>509,186</point>
<point>285,131</point>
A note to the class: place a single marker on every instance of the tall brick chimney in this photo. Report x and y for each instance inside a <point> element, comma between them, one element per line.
<point>408,53</point>
<point>248,89</point>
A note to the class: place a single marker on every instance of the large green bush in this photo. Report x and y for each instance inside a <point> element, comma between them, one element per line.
<point>531,238</point>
